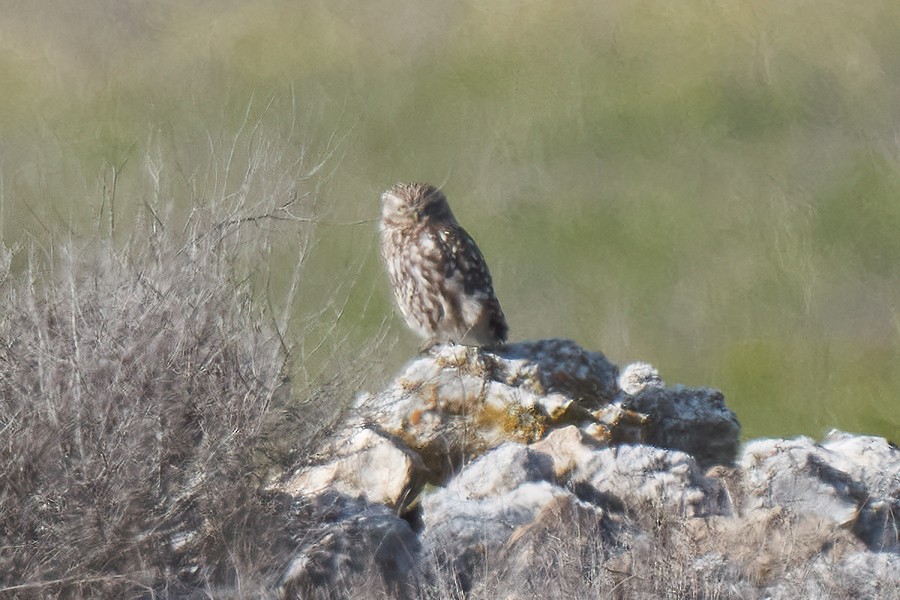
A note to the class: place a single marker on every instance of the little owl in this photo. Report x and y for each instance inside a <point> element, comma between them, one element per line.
<point>439,277</point>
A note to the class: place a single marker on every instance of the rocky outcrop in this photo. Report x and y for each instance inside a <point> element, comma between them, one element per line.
<point>457,402</point>
<point>476,463</point>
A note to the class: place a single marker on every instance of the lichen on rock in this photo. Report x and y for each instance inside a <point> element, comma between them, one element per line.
<point>456,402</point>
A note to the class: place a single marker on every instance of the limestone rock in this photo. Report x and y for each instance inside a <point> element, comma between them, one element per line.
<point>695,421</point>
<point>362,463</point>
<point>457,402</point>
<point>876,465</point>
<point>566,448</point>
<point>502,498</point>
<point>457,522</point>
<point>353,537</point>
<point>639,376</point>
<point>869,459</point>
<point>501,470</point>
<point>645,478</point>
<point>541,452</point>
<point>848,481</point>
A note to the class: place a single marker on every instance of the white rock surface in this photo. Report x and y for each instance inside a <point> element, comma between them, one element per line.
<point>644,478</point>
<point>566,448</point>
<point>851,481</point>
<point>362,463</point>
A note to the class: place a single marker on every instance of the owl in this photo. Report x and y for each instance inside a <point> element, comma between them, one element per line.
<point>439,277</point>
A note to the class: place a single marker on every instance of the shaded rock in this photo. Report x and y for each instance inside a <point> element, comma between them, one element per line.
<point>644,478</point>
<point>354,539</point>
<point>362,463</point>
<point>695,421</point>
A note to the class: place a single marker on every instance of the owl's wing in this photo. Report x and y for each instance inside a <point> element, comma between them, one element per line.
<point>464,262</point>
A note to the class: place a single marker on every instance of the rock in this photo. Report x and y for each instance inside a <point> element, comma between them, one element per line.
<point>563,540</point>
<point>501,470</point>
<point>457,402</point>
<point>869,459</point>
<point>695,421</point>
<point>502,498</point>
<point>457,522</point>
<point>546,466</point>
<point>765,544</point>
<point>362,463</point>
<point>638,376</point>
<point>849,481</point>
<point>876,465</point>
<point>353,538</point>
<point>795,474</point>
<point>647,479</point>
<point>566,448</point>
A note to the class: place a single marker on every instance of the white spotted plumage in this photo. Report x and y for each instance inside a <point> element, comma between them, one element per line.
<point>438,275</point>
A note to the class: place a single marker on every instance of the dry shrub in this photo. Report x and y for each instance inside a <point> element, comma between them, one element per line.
<point>144,385</point>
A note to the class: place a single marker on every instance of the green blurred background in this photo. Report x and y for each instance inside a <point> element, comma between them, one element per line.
<point>710,186</point>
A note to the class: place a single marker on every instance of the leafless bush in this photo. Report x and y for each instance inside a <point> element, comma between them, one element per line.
<point>144,383</point>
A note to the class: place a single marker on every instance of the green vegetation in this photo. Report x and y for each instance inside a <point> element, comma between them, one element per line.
<point>713,187</point>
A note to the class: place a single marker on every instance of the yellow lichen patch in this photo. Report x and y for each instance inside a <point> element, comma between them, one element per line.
<point>521,425</point>
<point>556,405</point>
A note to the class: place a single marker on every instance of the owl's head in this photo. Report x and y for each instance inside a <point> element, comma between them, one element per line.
<point>414,203</point>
